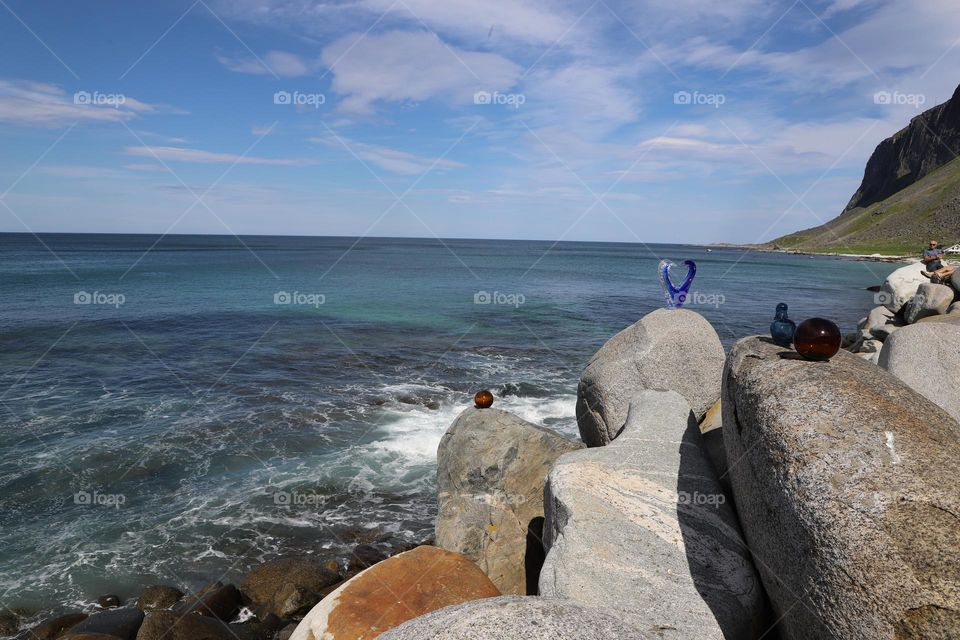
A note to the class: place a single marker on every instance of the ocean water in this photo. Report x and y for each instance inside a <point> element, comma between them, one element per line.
<point>177,409</point>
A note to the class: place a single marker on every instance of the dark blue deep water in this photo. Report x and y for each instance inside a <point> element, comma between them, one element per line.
<point>175,410</point>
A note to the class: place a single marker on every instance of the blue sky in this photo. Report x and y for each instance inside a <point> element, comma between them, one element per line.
<point>648,120</point>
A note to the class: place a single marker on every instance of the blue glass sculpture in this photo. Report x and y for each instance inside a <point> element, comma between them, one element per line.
<point>782,328</point>
<point>676,296</point>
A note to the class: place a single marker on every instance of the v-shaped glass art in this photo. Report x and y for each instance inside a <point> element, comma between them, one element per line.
<point>676,296</point>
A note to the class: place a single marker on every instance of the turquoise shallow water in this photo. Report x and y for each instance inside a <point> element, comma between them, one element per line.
<point>177,414</point>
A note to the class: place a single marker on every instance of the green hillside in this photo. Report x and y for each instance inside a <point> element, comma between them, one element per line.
<point>899,225</point>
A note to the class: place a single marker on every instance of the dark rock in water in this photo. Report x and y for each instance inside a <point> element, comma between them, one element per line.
<point>54,628</point>
<point>255,630</point>
<point>167,625</point>
<point>122,623</point>
<point>365,556</point>
<point>9,623</point>
<point>874,289</point>
<point>158,596</point>
<point>215,601</point>
<point>109,601</point>
<point>286,632</point>
<point>288,587</point>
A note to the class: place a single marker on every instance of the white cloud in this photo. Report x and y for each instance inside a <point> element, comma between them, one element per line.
<point>180,154</point>
<point>281,63</point>
<point>399,65</point>
<point>392,160</point>
<point>45,105</point>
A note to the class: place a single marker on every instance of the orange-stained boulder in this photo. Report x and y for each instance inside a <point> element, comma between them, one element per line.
<point>393,591</point>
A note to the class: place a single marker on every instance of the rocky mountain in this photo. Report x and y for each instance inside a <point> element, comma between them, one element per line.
<point>910,192</point>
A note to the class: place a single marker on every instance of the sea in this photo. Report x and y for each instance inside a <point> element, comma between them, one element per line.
<point>177,409</point>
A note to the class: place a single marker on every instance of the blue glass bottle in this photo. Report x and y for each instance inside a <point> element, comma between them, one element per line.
<point>782,328</point>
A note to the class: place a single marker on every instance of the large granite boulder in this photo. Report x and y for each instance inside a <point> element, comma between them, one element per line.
<point>930,300</point>
<point>642,527</point>
<point>517,618</point>
<point>669,349</point>
<point>396,590</point>
<point>901,285</point>
<point>287,587</point>
<point>927,357</point>
<point>491,467</point>
<point>844,480</point>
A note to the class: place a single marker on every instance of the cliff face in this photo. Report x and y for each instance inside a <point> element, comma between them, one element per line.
<point>930,141</point>
<point>909,194</point>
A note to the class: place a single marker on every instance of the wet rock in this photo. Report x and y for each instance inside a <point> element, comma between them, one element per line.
<point>286,633</point>
<point>365,556</point>
<point>394,591</point>
<point>287,587</point>
<point>216,601</point>
<point>519,618</point>
<point>672,349</point>
<point>491,467</point>
<point>9,623</point>
<point>109,601</point>
<point>54,628</point>
<point>122,623</point>
<point>846,490</point>
<point>168,625</point>
<point>643,528</point>
<point>89,636</point>
<point>158,596</point>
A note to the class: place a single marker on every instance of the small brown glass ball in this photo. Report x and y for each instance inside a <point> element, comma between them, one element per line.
<point>817,339</point>
<point>483,399</point>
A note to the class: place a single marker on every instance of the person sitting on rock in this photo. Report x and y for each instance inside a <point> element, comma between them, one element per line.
<point>937,271</point>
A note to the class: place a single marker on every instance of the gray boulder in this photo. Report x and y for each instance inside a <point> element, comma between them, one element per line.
<point>642,527</point>
<point>844,480</point>
<point>931,300</point>
<point>881,323</point>
<point>491,468</point>
<point>901,285</point>
<point>668,349</point>
<point>516,618</point>
<point>926,356</point>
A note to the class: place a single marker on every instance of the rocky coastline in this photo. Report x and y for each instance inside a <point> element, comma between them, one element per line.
<point>741,495</point>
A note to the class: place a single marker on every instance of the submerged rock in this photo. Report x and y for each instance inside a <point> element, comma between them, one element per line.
<point>390,593</point>
<point>930,300</point>
<point>901,285</point>
<point>287,587</point>
<point>927,357</point>
<point>491,467</point>
<point>642,527</point>
<point>844,483</point>
<point>53,628</point>
<point>517,618</point>
<point>673,349</point>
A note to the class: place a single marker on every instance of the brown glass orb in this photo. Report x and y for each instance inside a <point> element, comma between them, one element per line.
<point>483,399</point>
<point>817,339</point>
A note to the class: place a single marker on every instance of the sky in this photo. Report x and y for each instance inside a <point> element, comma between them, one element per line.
<point>685,121</point>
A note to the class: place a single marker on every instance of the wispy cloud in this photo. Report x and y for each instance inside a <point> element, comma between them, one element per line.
<point>281,63</point>
<point>181,154</point>
<point>392,160</point>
